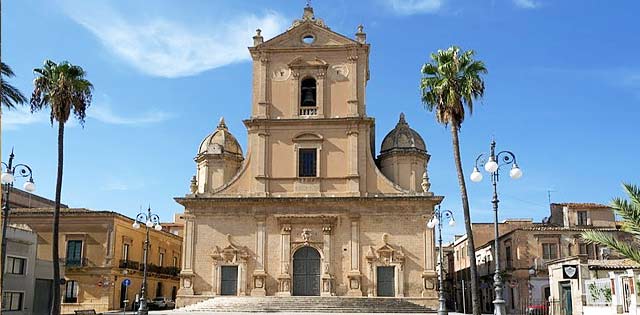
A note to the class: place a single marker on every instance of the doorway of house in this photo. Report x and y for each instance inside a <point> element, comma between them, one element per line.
<point>566,301</point>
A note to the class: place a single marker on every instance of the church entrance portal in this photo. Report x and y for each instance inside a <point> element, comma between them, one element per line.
<point>386,277</point>
<point>229,281</point>
<point>306,272</point>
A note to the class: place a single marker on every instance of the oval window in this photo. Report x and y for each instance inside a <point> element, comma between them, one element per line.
<point>308,39</point>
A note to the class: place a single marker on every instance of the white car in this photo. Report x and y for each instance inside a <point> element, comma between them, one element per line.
<point>163,302</point>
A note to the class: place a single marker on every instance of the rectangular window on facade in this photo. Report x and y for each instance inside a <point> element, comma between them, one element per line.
<point>582,217</point>
<point>508,257</point>
<point>15,265</point>
<point>71,292</point>
<point>175,261</point>
<point>12,301</point>
<point>549,251</point>
<point>161,260</point>
<point>74,253</point>
<point>125,252</point>
<point>307,162</point>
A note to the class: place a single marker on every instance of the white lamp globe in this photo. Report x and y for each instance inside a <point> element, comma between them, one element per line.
<point>29,186</point>
<point>149,224</point>
<point>476,176</point>
<point>158,227</point>
<point>435,221</point>
<point>430,224</point>
<point>515,172</point>
<point>452,222</point>
<point>136,225</point>
<point>491,166</point>
<point>7,178</point>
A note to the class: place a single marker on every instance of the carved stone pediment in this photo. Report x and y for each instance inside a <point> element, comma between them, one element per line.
<point>385,254</point>
<point>231,253</point>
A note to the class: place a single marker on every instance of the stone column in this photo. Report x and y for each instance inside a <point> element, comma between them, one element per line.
<point>320,105</point>
<point>429,275</point>
<point>295,93</point>
<point>186,275</point>
<point>353,154</point>
<point>354,275</point>
<point>260,163</point>
<point>259,274</point>
<point>263,102</point>
<point>327,277</point>
<point>284,278</point>
<point>352,102</point>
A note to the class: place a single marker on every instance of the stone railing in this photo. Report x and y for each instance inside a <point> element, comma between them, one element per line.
<point>308,111</point>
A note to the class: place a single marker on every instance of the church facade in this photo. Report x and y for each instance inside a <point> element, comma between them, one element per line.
<point>310,210</point>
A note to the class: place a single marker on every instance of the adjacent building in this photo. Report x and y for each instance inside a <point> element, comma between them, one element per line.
<point>526,248</point>
<point>310,210</point>
<point>27,280</point>
<point>98,251</point>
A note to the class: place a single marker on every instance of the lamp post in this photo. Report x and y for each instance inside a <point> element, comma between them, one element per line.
<point>436,220</point>
<point>150,220</point>
<point>8,177</point>
<point>493,165</point>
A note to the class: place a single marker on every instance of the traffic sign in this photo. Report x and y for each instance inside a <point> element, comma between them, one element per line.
<point>126,282</point>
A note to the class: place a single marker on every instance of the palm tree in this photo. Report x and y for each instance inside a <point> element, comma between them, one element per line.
<point>629,210</point>
<point>450,83</point>
<point>11,96</point>
<point>63,88</point>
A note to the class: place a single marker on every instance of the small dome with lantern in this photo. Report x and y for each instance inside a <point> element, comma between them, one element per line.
<point>220,141</point>
<point>402,137</point>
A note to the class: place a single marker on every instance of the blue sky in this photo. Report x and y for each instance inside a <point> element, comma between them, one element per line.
<point>563,91</point>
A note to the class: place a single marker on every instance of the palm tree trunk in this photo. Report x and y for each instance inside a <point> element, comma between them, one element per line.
<point>55,309</point>
<point>475,290</point>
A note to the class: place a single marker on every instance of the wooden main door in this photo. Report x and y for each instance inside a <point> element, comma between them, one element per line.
<point>386,277</point>
<point>229,280</point>
<point>306,272</point>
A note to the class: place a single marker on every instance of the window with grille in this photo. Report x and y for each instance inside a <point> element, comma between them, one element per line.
<point>307,162</point>
<point>508,257</point>
<point>549,251</point>
<point>71,292</point>
<point>15,265</point>
<point>12,301</point>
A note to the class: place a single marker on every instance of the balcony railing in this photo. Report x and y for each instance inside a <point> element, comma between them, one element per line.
<point>70,262</point>
<point>164,270</point>
<point>308,111</point>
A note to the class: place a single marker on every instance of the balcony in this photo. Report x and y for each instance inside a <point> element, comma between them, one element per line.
<point>308,111</point>
<point>162,270</point>
<point>75,262</point>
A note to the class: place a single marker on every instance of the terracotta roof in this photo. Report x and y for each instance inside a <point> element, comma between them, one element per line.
<point>612,264</point>
<point>582,205</point>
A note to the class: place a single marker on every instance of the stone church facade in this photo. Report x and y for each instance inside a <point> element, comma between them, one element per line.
<point>309,210</point>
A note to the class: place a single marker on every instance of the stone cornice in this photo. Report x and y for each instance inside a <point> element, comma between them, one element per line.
<point>198,202</point>
<point>300,121</point>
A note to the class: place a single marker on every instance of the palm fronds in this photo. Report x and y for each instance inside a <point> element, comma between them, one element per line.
<point>10,95</point>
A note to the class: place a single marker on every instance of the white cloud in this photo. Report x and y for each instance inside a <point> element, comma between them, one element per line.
<point>409,7</point>
<point>13,119</point>
<point>527,4</point>
<point>166,48</point>
<point>105,114</point>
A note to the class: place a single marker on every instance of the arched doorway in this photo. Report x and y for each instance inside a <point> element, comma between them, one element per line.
<point>306,272</point>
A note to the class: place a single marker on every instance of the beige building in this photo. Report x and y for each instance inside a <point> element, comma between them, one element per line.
<point>526,248</point>
<point>98,250</point>
<point>309,210</point>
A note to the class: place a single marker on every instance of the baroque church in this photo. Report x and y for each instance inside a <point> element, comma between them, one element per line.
<point>310,210</point>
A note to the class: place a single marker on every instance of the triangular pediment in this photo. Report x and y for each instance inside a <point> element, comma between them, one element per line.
<point>293,38</point>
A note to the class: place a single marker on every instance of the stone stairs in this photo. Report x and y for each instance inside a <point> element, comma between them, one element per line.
<point>298,304</point>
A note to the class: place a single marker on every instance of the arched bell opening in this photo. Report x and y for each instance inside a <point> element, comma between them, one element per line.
<point>308,93</point>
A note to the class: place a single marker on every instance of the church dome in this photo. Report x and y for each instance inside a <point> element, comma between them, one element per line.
<point>402,137</point>
<point>220,141</point>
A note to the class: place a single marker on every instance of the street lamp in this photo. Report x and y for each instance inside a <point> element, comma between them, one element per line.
<point>493,165</point>
<point>436,220</point>
<point>150,221</point>
<point>7,178</point>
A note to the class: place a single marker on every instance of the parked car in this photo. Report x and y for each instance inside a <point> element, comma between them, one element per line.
<point>163,302</point>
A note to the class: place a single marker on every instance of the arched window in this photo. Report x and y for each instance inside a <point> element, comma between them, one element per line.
<point>308,92</point>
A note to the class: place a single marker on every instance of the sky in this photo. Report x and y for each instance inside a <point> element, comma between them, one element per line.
<point>562,92</point>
